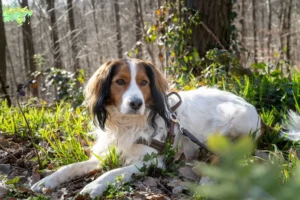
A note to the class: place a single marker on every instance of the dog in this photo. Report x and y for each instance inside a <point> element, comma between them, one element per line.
<point>127,99</point>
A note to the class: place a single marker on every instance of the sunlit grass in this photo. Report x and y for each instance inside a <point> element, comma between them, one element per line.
<point>59,128</point>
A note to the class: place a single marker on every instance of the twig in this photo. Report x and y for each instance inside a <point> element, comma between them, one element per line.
<point>31,133</point>
<point>163,187</point>
<point>212,34</point>
<point>9,154</point>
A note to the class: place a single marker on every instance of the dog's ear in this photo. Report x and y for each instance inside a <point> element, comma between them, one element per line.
<point>161,82</point>
<point>159,87</point>
<point>97,92</point>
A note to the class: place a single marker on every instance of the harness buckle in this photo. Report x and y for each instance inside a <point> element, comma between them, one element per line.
<point>174,118</point>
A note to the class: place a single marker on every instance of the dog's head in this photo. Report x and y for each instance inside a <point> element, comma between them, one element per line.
<point>129,85</point>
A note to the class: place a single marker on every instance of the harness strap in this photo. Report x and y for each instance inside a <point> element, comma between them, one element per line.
<point>187,134</point>
<point>171,132</point>
<point>174,107</point>
<point>160,146</point>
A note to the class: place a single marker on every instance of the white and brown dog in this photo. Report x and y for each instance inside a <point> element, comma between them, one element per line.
<point>128,101</point>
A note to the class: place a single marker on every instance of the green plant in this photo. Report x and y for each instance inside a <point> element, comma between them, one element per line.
<point>117,189</point>
<point>242,176</point>
<point>65,83</point>
<point>111,160</point>
<point>16,13</point>
<point>151,168</point>
<point>62,128</point>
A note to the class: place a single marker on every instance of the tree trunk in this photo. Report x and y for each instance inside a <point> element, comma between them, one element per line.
<point>148,48</point>
<point>54,33</point>
<point>97,30</point>
<point>214,29</point>
<point>138,30</point>
<point>254,30</point>
<point>288,37</point>
<point>74,47</point>
<point>243,33</point>
<point>3,79</point>
<point>269,29</point>
<point>118,27</point>
<point>29,47</point>
<point>262,31</point>
<point>3,66</point>
<point>85,36</point>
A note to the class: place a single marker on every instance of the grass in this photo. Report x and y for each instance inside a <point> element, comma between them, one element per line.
<point>59,128</point>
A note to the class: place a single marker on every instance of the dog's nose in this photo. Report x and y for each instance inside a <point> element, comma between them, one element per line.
<point>135,104</point>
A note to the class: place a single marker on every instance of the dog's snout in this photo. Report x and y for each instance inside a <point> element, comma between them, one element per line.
<point>136,103</point>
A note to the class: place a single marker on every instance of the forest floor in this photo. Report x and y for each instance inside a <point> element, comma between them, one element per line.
<point>19,167</point>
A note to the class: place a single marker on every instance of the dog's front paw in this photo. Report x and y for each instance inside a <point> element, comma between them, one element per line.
<point>94,189</point>
<point>44,184</point>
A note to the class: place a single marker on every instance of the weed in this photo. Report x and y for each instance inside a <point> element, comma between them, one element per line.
<point>241,176</point>
<point>59,129</point>
<point>117,189</point>
<point>112,159</point>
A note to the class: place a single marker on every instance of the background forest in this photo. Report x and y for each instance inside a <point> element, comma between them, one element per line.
<point>49,49</point>
<point>79,35</point>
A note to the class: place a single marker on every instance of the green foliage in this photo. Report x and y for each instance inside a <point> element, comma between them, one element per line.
<point>151,168</point>
<point>173,34</point>
<point>59,126</point>
<point>171,165</point>
<point>117,189</point>
<point>242,176</point>
<point>65,84</point>
<point>13,181</point>
<point>111,160</point>
<point>15,13</point>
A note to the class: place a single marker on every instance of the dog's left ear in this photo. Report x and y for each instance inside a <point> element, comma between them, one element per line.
<point>161,82</point>
<point>159,87</point>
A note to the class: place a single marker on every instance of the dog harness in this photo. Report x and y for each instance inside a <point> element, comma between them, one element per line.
<point>161,146</point>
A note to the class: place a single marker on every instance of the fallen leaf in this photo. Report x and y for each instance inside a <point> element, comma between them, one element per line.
<point>187,172</point>
<point>5,168</point>
<point>150,182</point>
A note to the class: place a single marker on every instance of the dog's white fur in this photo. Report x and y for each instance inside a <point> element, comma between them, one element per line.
<point>203,111</point>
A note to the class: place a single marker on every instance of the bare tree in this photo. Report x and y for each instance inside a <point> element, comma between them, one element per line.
<point>74,46</point>
<point>288,38</point>
<point>262,30</point>
<point>28,45</point>
<point>254,29</point>
<point>243,32</point>
<point>57,57</point>
<point>289,29</point>
<point>3,79</point>
<point>269,28</point>
<point>138,29</point>
<point>97,29</point>
<point>118,29</point>
<point>3,66</point>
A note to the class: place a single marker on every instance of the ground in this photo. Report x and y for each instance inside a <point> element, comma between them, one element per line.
<point>19,166</point>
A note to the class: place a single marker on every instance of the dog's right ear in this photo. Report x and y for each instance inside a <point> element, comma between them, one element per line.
<point>97,92</point>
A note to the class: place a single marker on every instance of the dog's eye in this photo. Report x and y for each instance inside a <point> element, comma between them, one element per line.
<point>120,82</point>
<point>143,83</point>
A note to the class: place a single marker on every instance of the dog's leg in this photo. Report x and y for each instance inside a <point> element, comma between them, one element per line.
<point>98,186</point>
<point>65,174</point>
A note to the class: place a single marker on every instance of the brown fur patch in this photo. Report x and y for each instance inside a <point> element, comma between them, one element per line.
<point>116,90</point>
